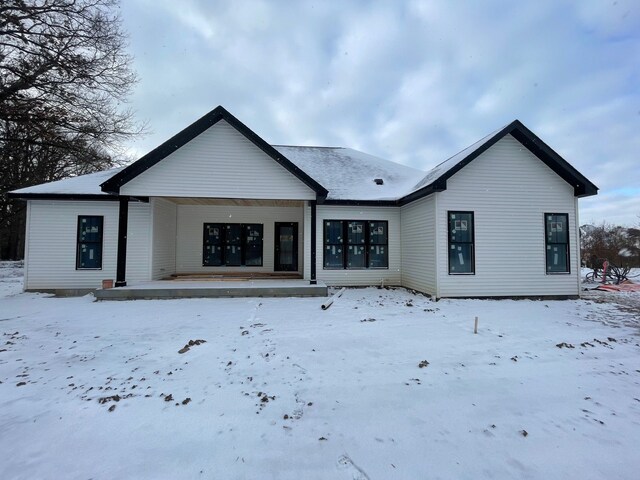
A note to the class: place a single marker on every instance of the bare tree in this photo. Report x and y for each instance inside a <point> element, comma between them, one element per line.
<point>619,245</point>
<point>65,77</point>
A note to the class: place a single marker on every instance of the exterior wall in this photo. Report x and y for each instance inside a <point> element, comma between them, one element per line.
<point>390,276</point>
<point>163,238</point>
<point>219,163</point>
<point>190,220</point>
<point>419,245</point>
<point>509,190</point>
<point>52,240</point>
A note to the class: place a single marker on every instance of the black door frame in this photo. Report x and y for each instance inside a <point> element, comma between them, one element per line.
<point>276,245</point>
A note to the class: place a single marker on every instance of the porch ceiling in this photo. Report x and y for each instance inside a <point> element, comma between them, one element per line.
<point>243,202</point>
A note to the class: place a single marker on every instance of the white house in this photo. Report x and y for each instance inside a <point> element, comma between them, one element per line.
<point>499,219</point>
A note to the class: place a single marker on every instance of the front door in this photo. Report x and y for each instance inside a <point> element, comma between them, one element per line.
<point>286,247</point>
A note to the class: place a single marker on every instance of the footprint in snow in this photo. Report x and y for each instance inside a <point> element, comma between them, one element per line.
<point>345,463</point>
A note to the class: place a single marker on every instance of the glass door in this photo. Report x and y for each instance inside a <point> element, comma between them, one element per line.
<point>286,247</point>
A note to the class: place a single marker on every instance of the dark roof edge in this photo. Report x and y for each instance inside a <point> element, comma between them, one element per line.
<point>363,203</point>
<point>581,185</point>
<point>189,133</point>
<point>72,196</point>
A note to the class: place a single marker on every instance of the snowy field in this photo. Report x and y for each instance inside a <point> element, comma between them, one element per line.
<point>284,390</point>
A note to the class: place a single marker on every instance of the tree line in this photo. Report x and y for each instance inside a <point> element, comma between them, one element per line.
<point>616,244</point>
<point>65,77</point>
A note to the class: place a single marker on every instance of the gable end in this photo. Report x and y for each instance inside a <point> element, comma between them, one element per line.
<point>192,131</point>
<point>582,187</point>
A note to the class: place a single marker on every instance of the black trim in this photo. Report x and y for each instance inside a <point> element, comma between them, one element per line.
<point>363,203</point>
<point>79,242</point>
<point>582,187</point>
<point>547,243</point>
<point>62,196</point>
<point>123,221</point>
<point>73,196</point>
<point>277,266</point>
<point>224,243</point>
<point>472,243</point>
<point>344,226</point>
<point>313,243</point>
<point>196,128</point>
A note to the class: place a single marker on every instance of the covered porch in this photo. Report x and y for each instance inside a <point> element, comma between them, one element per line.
<point>215,247</point>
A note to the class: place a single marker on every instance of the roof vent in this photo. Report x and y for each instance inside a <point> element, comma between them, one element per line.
<point>378,181</point>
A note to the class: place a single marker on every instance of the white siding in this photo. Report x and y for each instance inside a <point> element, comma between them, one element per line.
<point>190,232</point>
<point>390,276</point>
<point>419,245</point>
<point>138,240</point>
<point>163,258</point>
<point>220,163</point>
<point>52,238</point>
<point>509,190</point>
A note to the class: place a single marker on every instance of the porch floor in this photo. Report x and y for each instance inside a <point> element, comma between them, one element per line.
<point>163,289</point>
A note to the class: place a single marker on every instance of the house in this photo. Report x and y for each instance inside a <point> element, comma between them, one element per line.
<point>499,219</point>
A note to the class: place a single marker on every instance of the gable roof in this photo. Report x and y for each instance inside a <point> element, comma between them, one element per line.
<point>113,184</point>
<point>350,175</point>
<point>337,175</point>
<point>82,187</point>
<point>435,180</point>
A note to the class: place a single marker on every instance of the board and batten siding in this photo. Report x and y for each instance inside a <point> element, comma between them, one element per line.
<point>52,240</point>
<point>190,224</point>
<point>163,244</point>
<point>509,190</point>
<point>219,163</point>
<point>419,245</point>
<point>361,277</point>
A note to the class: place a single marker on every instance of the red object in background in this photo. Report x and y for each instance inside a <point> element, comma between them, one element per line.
<point>605,265</point>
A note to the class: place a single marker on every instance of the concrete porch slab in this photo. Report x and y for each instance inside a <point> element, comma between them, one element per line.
<point>165,289</point>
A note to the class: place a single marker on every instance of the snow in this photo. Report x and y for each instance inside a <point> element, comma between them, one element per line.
<point>346,173</point>
<point>81,185</point>
<point>349,174</point>
<point>441,169</point>
<point>348,380</point>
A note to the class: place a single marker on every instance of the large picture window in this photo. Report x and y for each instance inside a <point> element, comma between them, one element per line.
<point>232,244</point>
<point>557,242</point>
<point>461,243</point>
<point>89,242</point>
<point>356,244</point>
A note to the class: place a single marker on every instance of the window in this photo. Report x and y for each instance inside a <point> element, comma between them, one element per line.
<point>232,244</point>
<point>89,243</point>
<point>356,244</point>
<point>461,247</point>
<point>557,242</point>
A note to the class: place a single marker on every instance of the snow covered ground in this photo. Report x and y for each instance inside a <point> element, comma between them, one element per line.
<point>282,389</point>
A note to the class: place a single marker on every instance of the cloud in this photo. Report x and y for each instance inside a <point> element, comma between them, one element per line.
<point>413,82</point>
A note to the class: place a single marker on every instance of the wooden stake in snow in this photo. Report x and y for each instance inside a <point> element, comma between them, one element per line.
<point>475,327</point>
<point>329,302</point>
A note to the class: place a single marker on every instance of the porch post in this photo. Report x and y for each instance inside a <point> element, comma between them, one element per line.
<point>313,243</point>
<point>123,220</point>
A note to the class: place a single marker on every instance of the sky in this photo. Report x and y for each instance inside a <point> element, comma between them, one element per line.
<point>413,82</point>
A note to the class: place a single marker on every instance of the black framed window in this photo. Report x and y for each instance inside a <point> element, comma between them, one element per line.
<point>461,243</point>
<point>232,244</point>
<point>356,244</point>
<point>556,228</point>
<point>89,242</point>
